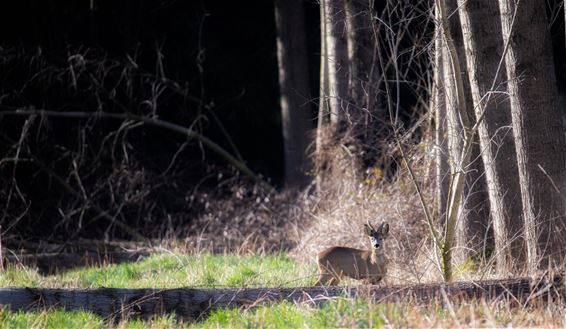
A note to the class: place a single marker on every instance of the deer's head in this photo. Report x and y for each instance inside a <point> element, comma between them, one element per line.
<point>376,237</point>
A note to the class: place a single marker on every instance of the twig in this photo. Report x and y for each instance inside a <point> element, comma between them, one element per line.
<point>552,182</point>
<point>102,213</point>
<point>149,120</point>
<point>1,254</point>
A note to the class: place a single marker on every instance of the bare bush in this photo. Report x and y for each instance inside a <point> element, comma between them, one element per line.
<point>349,201</point>
<point>82,175</point>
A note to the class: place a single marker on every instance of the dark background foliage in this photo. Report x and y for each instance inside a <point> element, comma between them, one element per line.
<point>211,65</point>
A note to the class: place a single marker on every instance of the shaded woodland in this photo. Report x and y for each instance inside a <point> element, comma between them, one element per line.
<point>145,120</point>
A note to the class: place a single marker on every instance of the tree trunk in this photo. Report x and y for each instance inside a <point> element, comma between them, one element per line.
<point>364,66</point>
<point>336,58</point>
<point>294,89</point>
<point>441,136</point>
<point>365,113</point>
<point>472,227</point>
<point>484,50</point>
<point>324,102</point>
<point>537,127</point>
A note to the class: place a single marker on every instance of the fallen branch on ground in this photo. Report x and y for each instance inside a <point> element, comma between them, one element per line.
<point>188,132</point>
<point>48,263</point>
<point>194,303</point>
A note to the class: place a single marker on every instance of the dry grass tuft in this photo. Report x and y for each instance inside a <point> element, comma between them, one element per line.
<point>349,197</point>
<point>246,219</point>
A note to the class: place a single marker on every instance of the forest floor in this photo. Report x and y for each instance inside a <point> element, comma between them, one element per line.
<point>174,269</point>
<point>255,239</point>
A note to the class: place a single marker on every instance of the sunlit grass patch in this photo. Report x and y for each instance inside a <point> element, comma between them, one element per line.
<point>359,313</point>
<point>20,276</point>
<point>334,313</point>
<point>49,319</point>
<point>174,270</point>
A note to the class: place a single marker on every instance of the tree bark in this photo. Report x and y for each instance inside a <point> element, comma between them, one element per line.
<point>364,66</point>
<point>537,127</point>
<point>336,58</point>
<point>366,113</point>
<point>197,303</point>
<point>472,227</point>
<point>441,138</point>
<point>294,89</point>
<point>324,101</point>
<point>484,50</point>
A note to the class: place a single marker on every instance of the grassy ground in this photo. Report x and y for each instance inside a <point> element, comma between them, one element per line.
<point>175,270</point>
<point>171,270</point>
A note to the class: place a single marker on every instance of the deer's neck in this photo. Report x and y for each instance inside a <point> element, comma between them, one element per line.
<point>376,256</point>
<point>373,256</point>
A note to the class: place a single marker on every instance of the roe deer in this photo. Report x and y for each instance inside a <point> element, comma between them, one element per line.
<point>370,266</point>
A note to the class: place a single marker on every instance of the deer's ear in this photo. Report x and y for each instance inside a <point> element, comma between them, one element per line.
<point>368,230</point>
<point>384,229</point>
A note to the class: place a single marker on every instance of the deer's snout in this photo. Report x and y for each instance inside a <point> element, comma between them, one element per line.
<point>375,243</point>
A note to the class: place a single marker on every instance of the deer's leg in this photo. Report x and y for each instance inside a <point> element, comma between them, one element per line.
<point>325,279</point>
<point>375,280</point>
<point>327,276</point>
<point>334,281</point>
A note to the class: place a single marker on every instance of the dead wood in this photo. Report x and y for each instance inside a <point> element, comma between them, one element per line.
<point>47,263</point>
<point>194,303</point>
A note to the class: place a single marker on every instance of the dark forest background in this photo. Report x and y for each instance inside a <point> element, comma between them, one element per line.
<point>223,53</point>
<point>210,65</point>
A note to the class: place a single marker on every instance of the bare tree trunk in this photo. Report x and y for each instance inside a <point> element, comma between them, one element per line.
<point>537,127</point>
<point>365,113</point>
<point>484,50</point>
<point>473,220</point>
<point>441,137</point>
<point>337,58</point>
<point>323,105</point>
<point>324,101</point>
<point>364,66</point>
<point>294,88</point>
<point>333,86</point>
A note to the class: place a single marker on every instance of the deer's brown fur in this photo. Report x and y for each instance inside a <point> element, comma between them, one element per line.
<point>369,266</point>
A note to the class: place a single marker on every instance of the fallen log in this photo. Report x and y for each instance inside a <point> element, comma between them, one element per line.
<point>48,263</point>
<point>194,303</point>
<point>33,247</point>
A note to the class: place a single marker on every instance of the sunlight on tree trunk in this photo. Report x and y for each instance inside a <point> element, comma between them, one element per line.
<point>538,131</point>
<point>469,221</point>
<point>336,58</point>
<point>484,48</point>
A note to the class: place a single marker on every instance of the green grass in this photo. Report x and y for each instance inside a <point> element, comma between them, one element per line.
<point>171,270</point>
<point>339,313</point>
<point>174,271</point>
<point>334,314</point>
<point>52,319</point>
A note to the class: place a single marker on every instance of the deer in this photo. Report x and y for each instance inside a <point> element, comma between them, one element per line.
<point>368,266</point>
